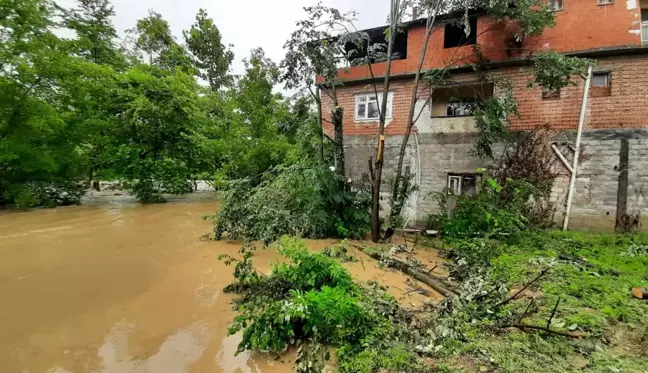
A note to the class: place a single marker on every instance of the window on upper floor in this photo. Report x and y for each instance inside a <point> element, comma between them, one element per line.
<point>556,5</point>
<point>455,34</point>
<point>604,2</point>
<point>366,106</point>
<point>459,100</point>
<point>375,46</point>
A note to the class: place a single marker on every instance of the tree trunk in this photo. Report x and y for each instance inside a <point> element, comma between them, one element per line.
<point>398,207</point>
<point>337,114</point>
<point>320,123</point>
<point>375,189</point>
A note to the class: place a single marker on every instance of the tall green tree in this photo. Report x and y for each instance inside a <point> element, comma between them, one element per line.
<point>39,151</point>
<point>212,58</point>
<point>154,42</point>
<point>96,35</point>
<point>156,120</point>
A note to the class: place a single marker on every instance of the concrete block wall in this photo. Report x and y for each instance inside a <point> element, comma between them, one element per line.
<point>597,187</point>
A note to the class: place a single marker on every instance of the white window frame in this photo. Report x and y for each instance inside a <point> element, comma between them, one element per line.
<point>364,99</point>
<point>456,189</point>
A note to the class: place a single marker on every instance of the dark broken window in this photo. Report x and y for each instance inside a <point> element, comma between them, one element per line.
<point>455,34</point>
<point>377,44</point>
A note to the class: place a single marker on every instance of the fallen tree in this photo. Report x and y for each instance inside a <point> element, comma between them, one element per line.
<point>436,283</point>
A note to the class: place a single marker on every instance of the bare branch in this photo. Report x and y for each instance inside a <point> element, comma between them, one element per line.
<point>542,273</point>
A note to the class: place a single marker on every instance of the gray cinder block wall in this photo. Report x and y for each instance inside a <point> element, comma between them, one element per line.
<point>597,191</point>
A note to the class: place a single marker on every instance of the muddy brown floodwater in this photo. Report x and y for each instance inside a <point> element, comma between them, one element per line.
<point>125,288</point>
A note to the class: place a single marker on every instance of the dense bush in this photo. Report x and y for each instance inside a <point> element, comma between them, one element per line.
<point>496,210</point>
<point>301,200</point>
<point>311,299</point>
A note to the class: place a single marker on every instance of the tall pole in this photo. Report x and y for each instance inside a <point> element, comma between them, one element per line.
<point>581,121</point>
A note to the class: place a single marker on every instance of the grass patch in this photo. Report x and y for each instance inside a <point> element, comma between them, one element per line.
<point>592,274</point>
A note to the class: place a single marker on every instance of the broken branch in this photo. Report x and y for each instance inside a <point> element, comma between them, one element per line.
<point>542,273</point>
<point>526,311</point>
<point>525,327</point>
<point>428,279</point>
<point>553,313</point>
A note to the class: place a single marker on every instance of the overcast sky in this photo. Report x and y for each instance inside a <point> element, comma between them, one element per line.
<point>245,23</point>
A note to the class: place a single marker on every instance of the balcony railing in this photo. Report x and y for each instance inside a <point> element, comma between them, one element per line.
<point>644,32</point>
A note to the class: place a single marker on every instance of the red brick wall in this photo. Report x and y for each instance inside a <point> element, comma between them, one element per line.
<point>346,98</point>
<point>626,107</point>
<point>581,25</point>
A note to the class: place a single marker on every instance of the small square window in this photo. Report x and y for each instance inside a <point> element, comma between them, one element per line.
<point>551,94</point>
<point>604,2</point>
<point>367,106</point>
<point>555,5</point>
<point>601,79</point>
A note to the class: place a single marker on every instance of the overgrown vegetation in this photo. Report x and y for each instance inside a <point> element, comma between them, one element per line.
<point>577,313</point>
<point>84,109</point>
<point>312,301</point>
<point>558,300</point>
<point>303,199</point>
<point>512,196</point>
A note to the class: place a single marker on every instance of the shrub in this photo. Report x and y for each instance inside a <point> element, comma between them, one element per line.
<point>299,200</point>
<point>312,300</point>
<point>496,210</point>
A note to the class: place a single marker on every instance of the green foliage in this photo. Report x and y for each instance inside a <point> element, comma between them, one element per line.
<point>496,210</point>
<point>302,199</point>
<point>211,57</point>
<point>491,119</point>
<point>311,299</point>
<point>592,275</point>
<point>553,71</point>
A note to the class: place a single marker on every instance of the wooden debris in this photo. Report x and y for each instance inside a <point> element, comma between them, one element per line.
<point>426,278</point>
<point>525,327</point>
<point>640,293</point>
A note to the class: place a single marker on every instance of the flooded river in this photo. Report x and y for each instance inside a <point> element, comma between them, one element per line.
<point>126,288</point>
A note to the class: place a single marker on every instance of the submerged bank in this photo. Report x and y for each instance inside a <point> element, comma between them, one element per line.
<point>113,286</point>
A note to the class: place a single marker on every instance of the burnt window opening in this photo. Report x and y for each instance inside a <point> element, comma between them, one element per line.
<point>461,100</point>
<point>462,184</point>
<point>455,34</point>
<point>377,44</point>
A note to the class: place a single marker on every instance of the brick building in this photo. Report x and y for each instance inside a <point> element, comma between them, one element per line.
<point>615,138</point>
